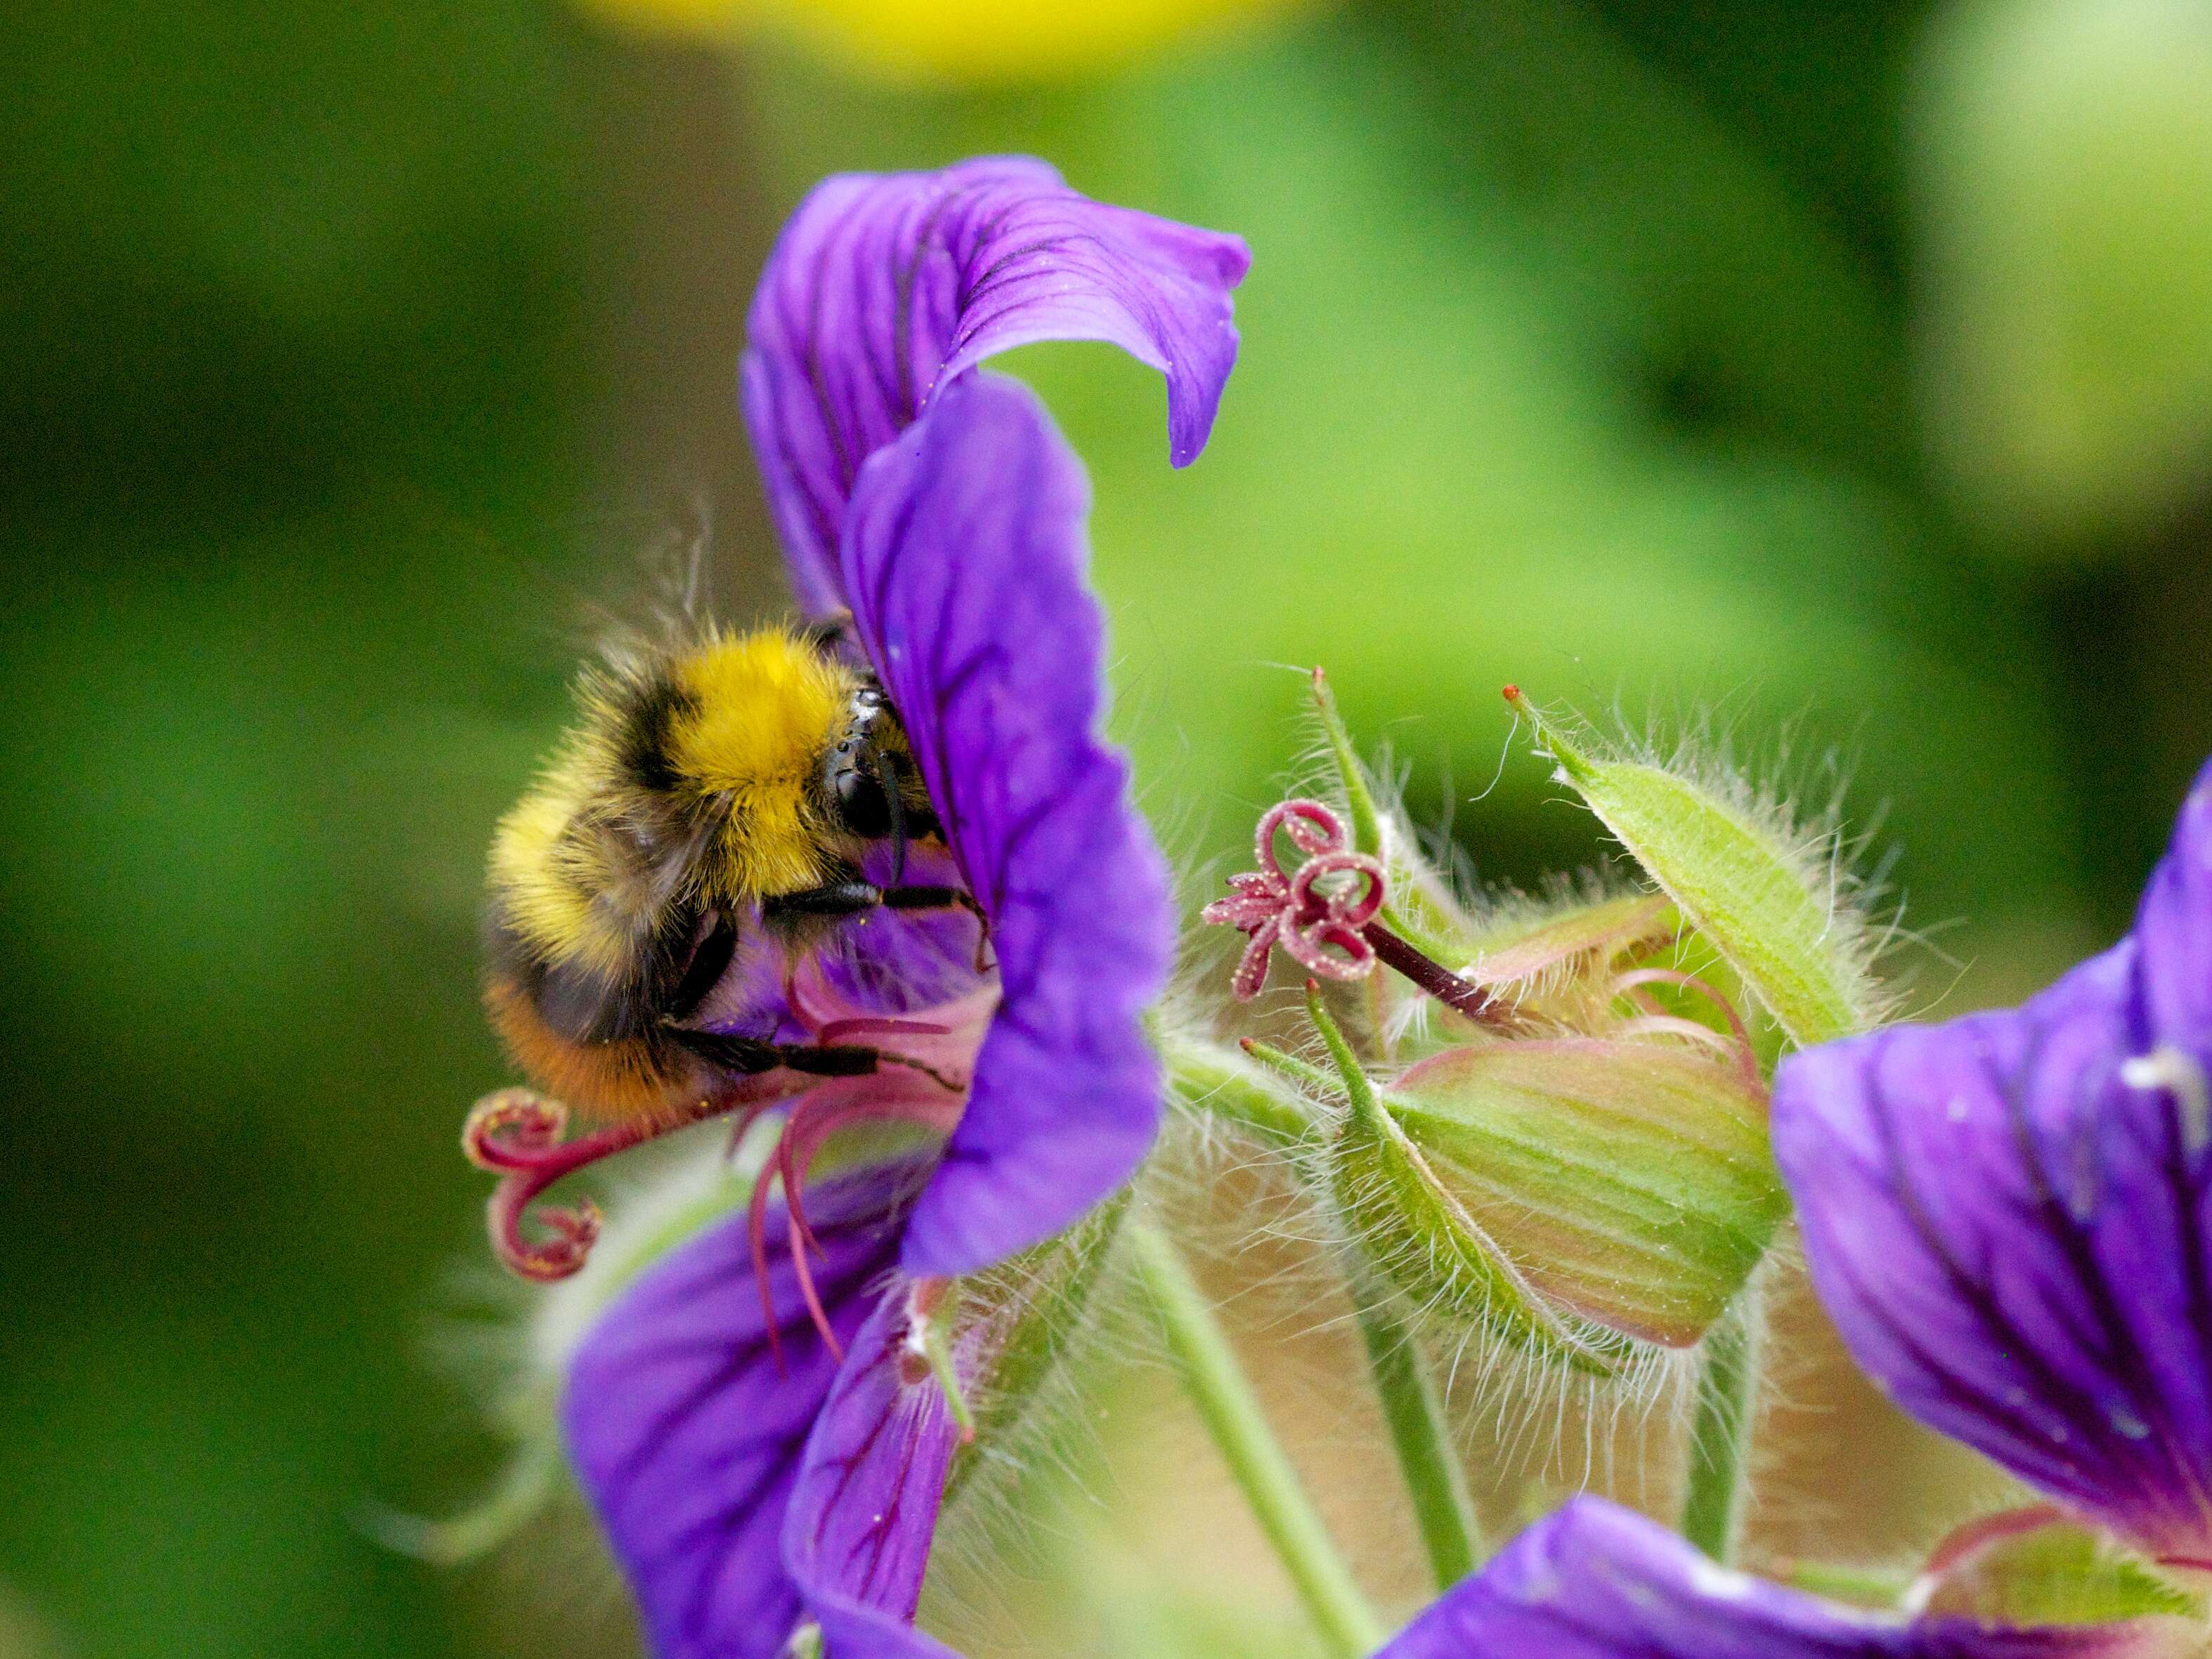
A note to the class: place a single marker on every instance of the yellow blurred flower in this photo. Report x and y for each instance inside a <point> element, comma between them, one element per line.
<point>953,40</point>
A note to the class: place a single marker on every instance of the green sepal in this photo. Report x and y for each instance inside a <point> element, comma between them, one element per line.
<point>1217,1085</point>
<point>1768,903</point>
<point>2035,1567</point>
<point>1035,1310</point>
<point>1630,1182</point>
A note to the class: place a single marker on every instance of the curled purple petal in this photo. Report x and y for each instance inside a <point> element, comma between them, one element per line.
<point>885,287</point>
<point>1599,1581</point>
<point>857,1535</point>
<point>964,561</point>
<point>685,1428</point>
<point>2011,1237</point>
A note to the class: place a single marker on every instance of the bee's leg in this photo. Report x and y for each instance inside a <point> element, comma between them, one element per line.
<point>851,898</point>
<point>836,898</point>
<point>750,1055</point>
<point>945,898</point>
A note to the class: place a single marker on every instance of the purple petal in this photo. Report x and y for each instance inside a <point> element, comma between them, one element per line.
<point>857,1533</point>
<point>1599,1581</point>
<point>885,286</point>
<point>2173,930</point>
<point>686,1431</point>
<point>964,560</point>
<point>2013,1241</point>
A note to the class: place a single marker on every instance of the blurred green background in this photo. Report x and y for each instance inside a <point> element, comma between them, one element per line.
<point>1846,370</point>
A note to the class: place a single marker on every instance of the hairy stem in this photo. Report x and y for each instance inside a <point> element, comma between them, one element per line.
<point>1216,1385</point>
<point>1720,1435</point>
<point>1434,1477</point>
<point>1209,1083</point>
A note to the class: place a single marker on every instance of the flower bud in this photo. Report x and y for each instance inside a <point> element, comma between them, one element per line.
<point>1578,1196</point>
<point>1766,898</point>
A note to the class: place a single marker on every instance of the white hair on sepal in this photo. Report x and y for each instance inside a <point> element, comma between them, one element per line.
<point>1797,801</point>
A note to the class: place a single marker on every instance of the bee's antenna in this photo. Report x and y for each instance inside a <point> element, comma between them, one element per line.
<point>887,774</point>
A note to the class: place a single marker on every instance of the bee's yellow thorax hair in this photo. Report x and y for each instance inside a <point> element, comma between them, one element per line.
<point>761,710</point>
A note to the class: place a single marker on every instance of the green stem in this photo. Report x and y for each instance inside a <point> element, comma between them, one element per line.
<point>1434,1477</point>
<point>1217,1387</point>
<point>1720,1435</point>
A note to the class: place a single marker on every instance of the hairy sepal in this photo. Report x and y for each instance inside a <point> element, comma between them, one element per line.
<point>1770,901</point>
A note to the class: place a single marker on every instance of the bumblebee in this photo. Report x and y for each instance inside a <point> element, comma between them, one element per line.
<point>710,810</point>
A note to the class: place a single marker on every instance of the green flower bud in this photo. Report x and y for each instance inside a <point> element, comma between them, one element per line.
<point>1766,899</point>
<point>1585,1198</point>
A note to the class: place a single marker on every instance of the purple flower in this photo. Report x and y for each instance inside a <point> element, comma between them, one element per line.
<point>2006,1216</point>
<point>752,1420</point>
<point>1598,1581</point>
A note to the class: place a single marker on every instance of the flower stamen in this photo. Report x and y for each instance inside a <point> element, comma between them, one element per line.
<point>2177,1072</point>
<point>516,1134</point>
<point>918,1097</point>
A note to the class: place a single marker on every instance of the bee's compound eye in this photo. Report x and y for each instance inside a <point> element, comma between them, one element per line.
<point>860,802</point>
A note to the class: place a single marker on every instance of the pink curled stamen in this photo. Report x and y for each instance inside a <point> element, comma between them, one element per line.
<point>1318,913</point>
<point>924,1062</point>
<point>516,1135</point>
<point>1329,915</point>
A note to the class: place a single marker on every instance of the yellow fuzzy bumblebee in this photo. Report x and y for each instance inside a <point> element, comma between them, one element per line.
<point>714,799</point>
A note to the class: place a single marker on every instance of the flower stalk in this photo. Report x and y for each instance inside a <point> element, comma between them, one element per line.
<point>1216,1386</point>
<point>1435,1481</point>
<point>1720,1434</point>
